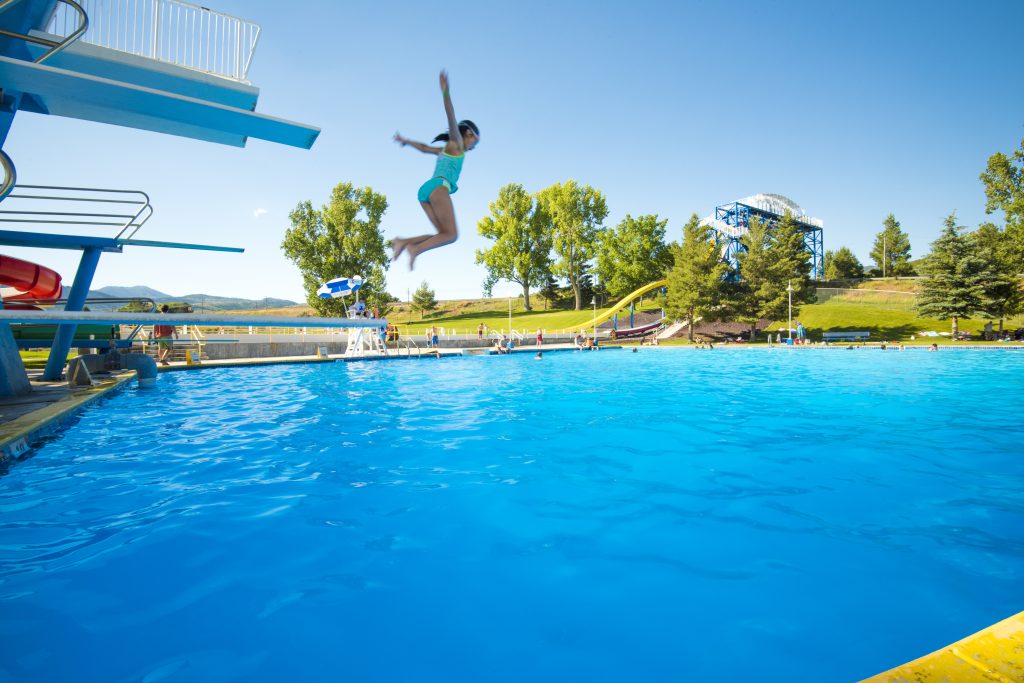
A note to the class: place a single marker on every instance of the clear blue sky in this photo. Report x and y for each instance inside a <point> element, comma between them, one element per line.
<point>854,110</point>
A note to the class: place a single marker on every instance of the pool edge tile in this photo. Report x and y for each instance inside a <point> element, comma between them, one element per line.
<point>20,434</point>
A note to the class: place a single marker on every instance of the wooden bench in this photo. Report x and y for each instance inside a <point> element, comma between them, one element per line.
<point>860,335</point>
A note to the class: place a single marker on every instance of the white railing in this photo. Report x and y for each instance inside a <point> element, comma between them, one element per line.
<point>168,31</point>
<point>873,296</point>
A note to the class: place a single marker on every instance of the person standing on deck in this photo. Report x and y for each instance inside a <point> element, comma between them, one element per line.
<point>163,333</point>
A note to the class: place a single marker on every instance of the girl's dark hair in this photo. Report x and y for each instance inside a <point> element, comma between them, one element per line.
<point>464,126</point>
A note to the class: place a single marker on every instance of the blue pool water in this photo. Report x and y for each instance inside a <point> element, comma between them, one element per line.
<point>669,515</point>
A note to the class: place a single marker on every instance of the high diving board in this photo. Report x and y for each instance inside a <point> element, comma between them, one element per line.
<point>117,65</point>
<point>16,238</point>
<point>81,317</point>
<point>63,92</point>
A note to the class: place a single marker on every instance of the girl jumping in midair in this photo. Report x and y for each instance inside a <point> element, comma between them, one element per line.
<point>435,194</point>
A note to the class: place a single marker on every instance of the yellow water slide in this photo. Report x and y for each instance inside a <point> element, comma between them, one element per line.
<point>621,304</point>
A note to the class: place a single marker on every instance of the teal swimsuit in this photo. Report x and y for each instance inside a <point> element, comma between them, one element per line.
<point>446,173</point>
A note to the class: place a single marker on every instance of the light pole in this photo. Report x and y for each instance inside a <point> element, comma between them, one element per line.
<point>510,317</point>
<point>789,290</point>
<point>595,319</point>
<point>883,254</point>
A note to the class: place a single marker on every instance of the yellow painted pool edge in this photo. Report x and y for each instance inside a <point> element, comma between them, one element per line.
<point>18,435</point>
<point>992,655</point>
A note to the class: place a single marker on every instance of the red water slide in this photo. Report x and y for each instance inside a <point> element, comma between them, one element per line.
<point>31,281</point>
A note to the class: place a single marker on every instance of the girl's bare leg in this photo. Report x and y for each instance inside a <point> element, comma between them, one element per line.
<point>399,244</point>
<point>442,215</point>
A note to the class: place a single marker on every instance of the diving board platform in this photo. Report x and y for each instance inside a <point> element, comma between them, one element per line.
<point>15,238</point>
<point>63,92</point>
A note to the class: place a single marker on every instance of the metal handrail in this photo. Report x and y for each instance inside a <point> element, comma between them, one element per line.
<point>196,336</point>
<point>127,228</point>
<point>54,45</point>
<point>411,344</point>
<point>173,32</point>
<point>10,175</point>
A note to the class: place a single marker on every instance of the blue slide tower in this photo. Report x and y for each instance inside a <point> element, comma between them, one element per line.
<point>732,221</point>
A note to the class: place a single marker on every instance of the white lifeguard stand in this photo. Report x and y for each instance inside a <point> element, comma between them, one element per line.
<point>364,341</point>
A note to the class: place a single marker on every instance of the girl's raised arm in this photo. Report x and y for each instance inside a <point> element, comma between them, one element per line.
<point>454,136</point>
<point>426,149</point>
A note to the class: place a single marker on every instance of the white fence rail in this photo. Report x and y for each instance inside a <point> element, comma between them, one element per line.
<point>168,31</point>
<point>873,296</point>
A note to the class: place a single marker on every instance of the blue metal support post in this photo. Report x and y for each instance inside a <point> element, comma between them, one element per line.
<point>76,302</point>
<point>13,380</point>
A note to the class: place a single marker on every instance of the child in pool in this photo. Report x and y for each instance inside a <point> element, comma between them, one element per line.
<point>435,194</point>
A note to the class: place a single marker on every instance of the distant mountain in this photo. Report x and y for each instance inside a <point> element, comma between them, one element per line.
<point>208,302</point>
<point>138,291</point>
<point>201,302</point>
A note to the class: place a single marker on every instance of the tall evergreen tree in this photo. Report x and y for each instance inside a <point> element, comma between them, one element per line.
<point>1003,291</point>
<point>891,251</point>
<point>754,293</point>
<point>424,298</point>
<point>695,283</point>
<point>633,254</point>
<point>575,214</point>
<point>956,277</point>
<point>793,258</point>
<point>341,239</point>
<point>521,252</point>
<point>774,259</point>
<point>842,264</point>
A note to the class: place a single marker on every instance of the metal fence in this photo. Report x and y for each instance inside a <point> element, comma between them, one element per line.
<point>168,31</point>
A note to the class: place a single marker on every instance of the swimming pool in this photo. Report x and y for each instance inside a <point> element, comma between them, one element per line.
<point>667,515</point>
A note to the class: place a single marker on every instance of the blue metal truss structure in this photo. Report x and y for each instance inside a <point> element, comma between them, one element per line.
<point>94,76</point>
<point>733,220</point>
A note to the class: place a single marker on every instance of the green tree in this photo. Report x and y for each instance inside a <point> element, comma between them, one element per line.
<point>695,283</point>
<point>633,254</point>
<point>1002,292</point>
<point>136,306</point>
<point>423,299</point>
<point>842,264</point>
<point>773,260</point>
<point>1003,178</point>
<point>574,214</point>
<point>891,251</point>
<point>555,295</point>
<point>793,260</point>
<point>956,277</point>
<point>521,252</point>
<point>341,239</point>
<point>756,294</point>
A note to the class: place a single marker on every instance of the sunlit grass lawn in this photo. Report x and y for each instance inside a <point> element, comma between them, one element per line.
<point>887,315</point>
<point>888,320</point>
<point>523,321</point>
<point>465,316</point>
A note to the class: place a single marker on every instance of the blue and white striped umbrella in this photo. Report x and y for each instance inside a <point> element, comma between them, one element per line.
<point>339,287</point>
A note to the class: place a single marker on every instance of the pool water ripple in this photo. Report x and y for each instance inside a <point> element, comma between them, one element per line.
<point>590,516</point>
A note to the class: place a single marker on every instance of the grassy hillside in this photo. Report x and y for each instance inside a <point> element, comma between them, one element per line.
<point>883,307</point>
<point>463,316</point>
